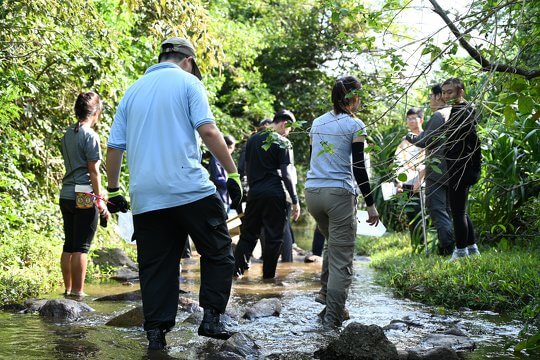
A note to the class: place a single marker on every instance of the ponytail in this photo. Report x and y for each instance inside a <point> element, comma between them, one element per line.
<point>86,105</point>
<point>340,93</point>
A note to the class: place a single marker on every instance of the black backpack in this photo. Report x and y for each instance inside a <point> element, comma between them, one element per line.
<point>473,167</point>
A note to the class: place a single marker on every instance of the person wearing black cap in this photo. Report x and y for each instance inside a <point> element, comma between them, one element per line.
<point>159,122</point>
<point>267,169</point>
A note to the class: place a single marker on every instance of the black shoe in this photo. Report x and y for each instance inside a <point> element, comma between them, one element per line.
<point>445,251</point>
<point>212,326</point>
<point>156,339</point>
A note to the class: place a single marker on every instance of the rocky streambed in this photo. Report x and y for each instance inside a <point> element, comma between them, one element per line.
<point>274,320</point>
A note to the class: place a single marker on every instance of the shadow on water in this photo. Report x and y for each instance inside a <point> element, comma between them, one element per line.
<point>297,329</point>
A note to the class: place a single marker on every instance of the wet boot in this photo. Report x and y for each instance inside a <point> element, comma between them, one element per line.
<point>156,339</point>
<point>212,326</point>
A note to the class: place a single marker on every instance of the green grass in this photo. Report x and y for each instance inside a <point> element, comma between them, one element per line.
<point>502,281</point>
<point>30,260</point>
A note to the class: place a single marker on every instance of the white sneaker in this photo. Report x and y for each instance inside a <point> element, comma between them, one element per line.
<point>473,250</point>
<point>458,254</point>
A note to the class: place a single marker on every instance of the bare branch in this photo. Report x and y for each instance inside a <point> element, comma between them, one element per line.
<point>476,55</point>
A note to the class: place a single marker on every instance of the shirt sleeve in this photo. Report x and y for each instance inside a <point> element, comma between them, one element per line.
<point>117,136</point>
<point>199,107</point>
<point>92,150</point>
<point>358,129</point>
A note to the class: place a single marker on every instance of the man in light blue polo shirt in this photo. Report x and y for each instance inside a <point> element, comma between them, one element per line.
<point>159,123</point>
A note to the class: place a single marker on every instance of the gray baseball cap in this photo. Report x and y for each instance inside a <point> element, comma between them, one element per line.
<point>182,46</point>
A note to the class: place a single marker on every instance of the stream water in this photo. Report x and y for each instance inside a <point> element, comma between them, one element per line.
<point>26,336</point>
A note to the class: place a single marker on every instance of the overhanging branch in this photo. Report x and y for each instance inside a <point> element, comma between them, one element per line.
<point>476,55</point>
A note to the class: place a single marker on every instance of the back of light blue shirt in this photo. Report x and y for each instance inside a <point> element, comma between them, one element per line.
<point>331,157</point>
<point>156,124</point>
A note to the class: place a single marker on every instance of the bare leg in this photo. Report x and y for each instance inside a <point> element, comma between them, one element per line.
<point>78,272</point>
<point>65,265</point>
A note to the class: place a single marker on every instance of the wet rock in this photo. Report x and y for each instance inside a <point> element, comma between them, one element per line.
<point>413,355</point>
<point>312,259</point>
<point>113,257</point>
<point>64,309</point>
<point>131,318</point>
<point>402,325</point>
<point>362,342</point>
<point>295,355</point>
<point>403,355</point>
<point>33,305</point>
<point>455,331</point>
<point>194,318</point>
<point>264,308</point>
<point>125,274</point>
<point>242,345</point>
<point>439,353</point>
<point>449,341</point>
<point>127,296</point>
<point>188,305</point>
<point>224,355</point>
<point>13,308</point>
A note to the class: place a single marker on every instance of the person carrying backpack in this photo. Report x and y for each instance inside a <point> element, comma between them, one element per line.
<point>463,159</point>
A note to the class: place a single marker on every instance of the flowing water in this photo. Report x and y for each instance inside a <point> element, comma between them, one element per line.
<point>297,329</point>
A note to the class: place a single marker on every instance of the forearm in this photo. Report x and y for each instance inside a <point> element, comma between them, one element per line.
<point>114,165</point>
<point>360,173</point>
<point>213,139</point>
<point>287,181</point>
<point>95,179</point>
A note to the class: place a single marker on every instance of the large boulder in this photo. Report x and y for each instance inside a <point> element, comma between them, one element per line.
<point>65,309</point>
<point>447,341</point>
<point>126,274</point>
<point>242,345</point>
<point>33,305</point>
<point>224,355</point>
<point>445,353</point>
<point>127,296</point>
<point>359,342</point>
<point>113,257</point>
<point>264,308</point>
<point>131,318</point>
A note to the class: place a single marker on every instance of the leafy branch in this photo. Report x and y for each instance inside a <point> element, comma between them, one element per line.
<point>476,55</point>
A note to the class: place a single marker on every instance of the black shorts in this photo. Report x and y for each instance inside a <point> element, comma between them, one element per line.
<point>80,226</point>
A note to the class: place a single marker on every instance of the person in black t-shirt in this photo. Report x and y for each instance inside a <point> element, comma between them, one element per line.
<point>462,144</point>
<point>266,204</point>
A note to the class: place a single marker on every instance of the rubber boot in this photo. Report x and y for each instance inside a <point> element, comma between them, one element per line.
<point>211,326</point>
<point>156,339</point>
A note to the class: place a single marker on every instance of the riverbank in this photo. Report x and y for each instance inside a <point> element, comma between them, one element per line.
<point>503,281</point>
<point>499,280</point>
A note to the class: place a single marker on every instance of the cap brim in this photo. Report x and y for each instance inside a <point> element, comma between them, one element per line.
<point>195,70</point>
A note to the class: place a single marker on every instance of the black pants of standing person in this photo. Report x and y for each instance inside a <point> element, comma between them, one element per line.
<point>438,206</point>
<point>269,213</point>
<point>463,227</point>
<point>161,236</point>
<point>288,237</point>
<point>318,242</point>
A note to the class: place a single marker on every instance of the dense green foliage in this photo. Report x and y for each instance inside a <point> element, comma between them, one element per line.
<point>257,57</point>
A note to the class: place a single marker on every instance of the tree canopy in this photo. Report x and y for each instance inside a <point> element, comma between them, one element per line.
<point>258,57</point>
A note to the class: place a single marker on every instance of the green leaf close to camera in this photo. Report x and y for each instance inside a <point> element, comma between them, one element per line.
<point>525,105</point>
